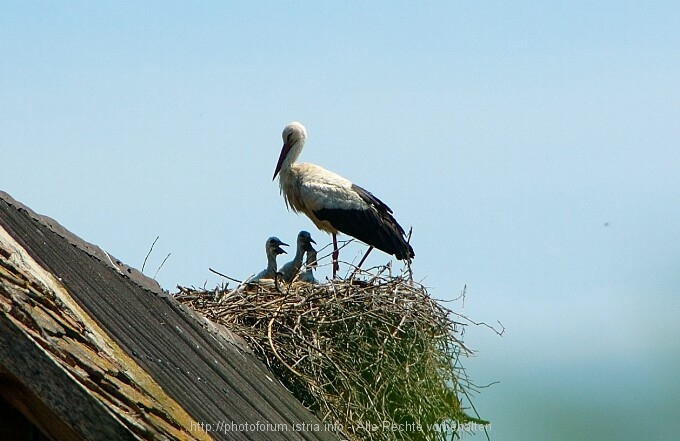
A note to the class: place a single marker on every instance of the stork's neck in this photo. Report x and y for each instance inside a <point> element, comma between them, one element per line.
<point>271,260</point>
<point>311,258</point>
<point>297,260</point>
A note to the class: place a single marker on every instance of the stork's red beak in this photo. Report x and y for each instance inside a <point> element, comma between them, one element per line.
<point>284,152</point>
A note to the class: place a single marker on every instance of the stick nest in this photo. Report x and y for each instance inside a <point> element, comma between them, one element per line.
<point>378,358</point>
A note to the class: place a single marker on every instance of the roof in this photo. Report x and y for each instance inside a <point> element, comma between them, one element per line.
<point>90,348</point>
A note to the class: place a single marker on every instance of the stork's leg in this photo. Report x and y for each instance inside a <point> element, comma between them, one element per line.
<point>363,259</point>
<point>335,256</point>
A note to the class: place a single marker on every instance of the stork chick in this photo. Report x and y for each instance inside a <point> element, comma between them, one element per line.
<point>291,269</point>
<point>273,249</point>
<point>310,264</point>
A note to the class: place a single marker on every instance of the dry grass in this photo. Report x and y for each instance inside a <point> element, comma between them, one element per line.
<point>376,351</point>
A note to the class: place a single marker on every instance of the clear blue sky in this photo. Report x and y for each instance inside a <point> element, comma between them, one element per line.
<point>533,146</point>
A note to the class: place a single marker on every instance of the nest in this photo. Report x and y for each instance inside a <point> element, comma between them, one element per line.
<point>374,355</point>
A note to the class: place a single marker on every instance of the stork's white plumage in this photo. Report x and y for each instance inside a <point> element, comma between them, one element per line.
<point>334,203</point>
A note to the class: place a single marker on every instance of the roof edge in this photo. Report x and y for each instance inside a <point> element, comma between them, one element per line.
<point>93,250</point>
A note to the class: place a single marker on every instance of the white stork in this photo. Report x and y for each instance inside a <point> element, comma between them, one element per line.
<point>273,248</point>
<point>334,203</point>
<point>291,269</point>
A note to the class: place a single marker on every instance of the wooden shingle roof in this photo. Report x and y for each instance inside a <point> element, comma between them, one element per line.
<point>92,349</point>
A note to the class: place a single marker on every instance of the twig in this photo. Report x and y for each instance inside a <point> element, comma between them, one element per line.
<point>149,253</point>
<point>226,277</point>
<point>161,266</point>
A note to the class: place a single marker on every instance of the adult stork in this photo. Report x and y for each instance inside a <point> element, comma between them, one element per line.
<point>334,203</point>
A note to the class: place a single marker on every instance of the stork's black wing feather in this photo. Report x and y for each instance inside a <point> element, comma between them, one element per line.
<point>374,225</point>
<point>370,199</point>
